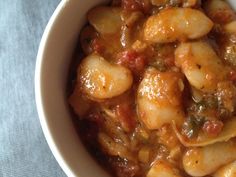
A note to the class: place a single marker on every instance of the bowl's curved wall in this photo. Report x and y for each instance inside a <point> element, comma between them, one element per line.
<point>233,3</point>
<point>54,56</point>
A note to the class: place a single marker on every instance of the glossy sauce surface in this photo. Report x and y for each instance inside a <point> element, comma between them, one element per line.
<point>154,92</point>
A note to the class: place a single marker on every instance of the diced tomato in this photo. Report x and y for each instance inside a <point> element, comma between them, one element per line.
<point>97,46</point>
<point>136,5</point>
<point>131,5</point>
<point>134,61</point>
<point>126,116</point>
<point>232,75</point>
<point>170,61</point>
<point>124,168</point>
<point>222,17</point>
<point>212,127</point>
<point>96,118</point>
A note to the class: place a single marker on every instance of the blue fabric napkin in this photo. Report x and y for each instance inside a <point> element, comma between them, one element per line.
<point>23,149</point>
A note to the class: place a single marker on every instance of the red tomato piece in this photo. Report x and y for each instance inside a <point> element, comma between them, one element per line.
<point>134,61</point>
<point>212,127</point>
<point>232,75</point>
<point>126,116</point>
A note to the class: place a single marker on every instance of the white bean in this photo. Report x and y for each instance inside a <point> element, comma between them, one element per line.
<point>176,24</point>
<point>106,20</point>
<point>79,104</point>
<point>206,160</point>
<point>200,64</point>
<point>100,80</point>
<point>230,28</point>
<point>159,98</point>
<point>163,169</point>
<point>226,171</point>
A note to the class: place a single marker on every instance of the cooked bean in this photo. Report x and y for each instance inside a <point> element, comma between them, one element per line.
<point>176,24</point>
<point>163,169</point>
<point>100,79</point>
<point>159,98</point>
<point>200,64</point>
<point>226,171</point>
<point>204,161</point>
<point>105,20</point>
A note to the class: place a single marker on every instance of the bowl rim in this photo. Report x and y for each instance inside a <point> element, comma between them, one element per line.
<point>38,89</point>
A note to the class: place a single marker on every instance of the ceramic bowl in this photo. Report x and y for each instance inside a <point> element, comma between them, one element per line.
<point>54,55</point>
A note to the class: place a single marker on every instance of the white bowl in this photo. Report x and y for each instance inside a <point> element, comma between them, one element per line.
<point>54,55</point>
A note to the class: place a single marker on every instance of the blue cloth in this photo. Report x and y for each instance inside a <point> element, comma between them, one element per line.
<point>23,148</point>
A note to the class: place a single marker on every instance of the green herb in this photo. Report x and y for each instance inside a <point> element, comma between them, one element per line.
<point>224,113</point>
<point>201,106</point>
<point>211,102</point>
<point>230,54</point>
<point>198,107</point>
<point>160,65</point>
<point>192,126</point>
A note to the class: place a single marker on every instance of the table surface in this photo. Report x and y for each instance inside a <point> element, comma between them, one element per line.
<point>23,149</point>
